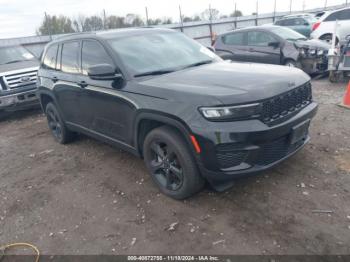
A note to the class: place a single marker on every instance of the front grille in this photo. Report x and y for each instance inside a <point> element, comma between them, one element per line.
<point>20,79</point>
<point>286,104</point>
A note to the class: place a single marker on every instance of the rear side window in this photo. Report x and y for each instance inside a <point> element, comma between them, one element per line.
<point>233,39</point>
<point>340,15</point>
<point>93,53</point>
<point>50,59</point>
<point>256,38</point>
<point>289,22</point>
<point>70,57</point>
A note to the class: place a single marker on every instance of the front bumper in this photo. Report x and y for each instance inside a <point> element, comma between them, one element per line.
<point>19,101</point>
<point>314,65</point>
<point>236,149</point>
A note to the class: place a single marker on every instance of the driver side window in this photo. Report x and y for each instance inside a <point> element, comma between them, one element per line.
<point>256,38</point>
<point>93,53</point>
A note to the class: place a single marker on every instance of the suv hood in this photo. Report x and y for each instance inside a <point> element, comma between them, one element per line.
<point>18,66</point>
<point>230,83</point>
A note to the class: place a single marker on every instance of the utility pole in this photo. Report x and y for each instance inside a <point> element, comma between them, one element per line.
<point>48,25</point>
<point>274,12</point>
<point>257,12</point>
<point>104,19</point>
<point>303,5</point>
<point>146,15</point>
<point>181,19</point>
<point>290,6</point>
<point>325,4</point>
<point>236,15</point>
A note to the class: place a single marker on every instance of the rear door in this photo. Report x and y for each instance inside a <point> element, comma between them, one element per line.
<point>235,43</point>
<point>66,90</point>
<point>344,21</point>
<point>260,49</point>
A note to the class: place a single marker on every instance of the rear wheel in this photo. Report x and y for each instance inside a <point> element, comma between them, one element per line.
<point>171,164</point>
<point>57,127</point>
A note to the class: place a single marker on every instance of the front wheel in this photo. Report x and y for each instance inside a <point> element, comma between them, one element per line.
<point>291,63</point>
<point>171,164</point>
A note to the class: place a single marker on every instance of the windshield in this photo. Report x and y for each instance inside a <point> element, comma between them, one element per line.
<point>287,34</point>
<point>160,52</point>
<point>13,54</point>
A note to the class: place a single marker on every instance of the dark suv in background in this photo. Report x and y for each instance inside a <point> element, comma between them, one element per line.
<point>164,97</point>
<point>18,73</point>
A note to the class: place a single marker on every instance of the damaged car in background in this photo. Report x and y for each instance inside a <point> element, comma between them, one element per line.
<point>18,74</point>
<point>274,45</point>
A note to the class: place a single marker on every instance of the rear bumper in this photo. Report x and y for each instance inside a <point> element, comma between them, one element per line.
<point>250,148</point>
<point>19,101</point>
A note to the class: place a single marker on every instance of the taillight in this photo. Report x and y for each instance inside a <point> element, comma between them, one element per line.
<point>315,26</point>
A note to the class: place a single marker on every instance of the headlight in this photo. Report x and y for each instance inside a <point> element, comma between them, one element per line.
<point>231,112</point>
<point>312,51</point>
<point>320,52</point>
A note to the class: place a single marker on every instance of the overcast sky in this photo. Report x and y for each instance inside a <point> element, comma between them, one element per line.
<point>23,17</point>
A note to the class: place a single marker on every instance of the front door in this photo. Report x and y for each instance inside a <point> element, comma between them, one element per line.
<point>261,48</point>
<point>106,109</point>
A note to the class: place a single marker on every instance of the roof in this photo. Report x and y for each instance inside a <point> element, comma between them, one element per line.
<point>111,33</point>
<point>260,27</point>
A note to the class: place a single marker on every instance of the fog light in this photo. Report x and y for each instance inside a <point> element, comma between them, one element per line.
<point>6,101</point>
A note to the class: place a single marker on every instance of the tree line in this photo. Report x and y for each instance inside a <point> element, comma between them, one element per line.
<point>61,24</point>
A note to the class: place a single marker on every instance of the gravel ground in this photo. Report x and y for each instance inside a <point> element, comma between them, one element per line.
<point>89,198</point>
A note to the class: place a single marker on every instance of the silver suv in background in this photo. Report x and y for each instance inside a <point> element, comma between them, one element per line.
<point>18,75</point>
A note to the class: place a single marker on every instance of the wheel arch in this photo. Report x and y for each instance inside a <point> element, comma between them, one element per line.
<point>146,121</point>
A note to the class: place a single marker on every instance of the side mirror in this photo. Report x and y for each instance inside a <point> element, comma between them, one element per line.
<point>274,44</point>
<point>103,72</point>
<point>306,23</point>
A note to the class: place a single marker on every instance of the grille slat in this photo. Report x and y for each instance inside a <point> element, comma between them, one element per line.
<point>283,105</point>
<point>15,80</point>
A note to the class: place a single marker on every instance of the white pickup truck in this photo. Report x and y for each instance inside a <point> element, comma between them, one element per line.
<point>18,75</point>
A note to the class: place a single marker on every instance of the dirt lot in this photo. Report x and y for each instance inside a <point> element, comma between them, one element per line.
<point>89,198</point>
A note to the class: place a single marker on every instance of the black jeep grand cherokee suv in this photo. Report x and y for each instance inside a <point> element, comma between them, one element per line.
<point>164,97</point>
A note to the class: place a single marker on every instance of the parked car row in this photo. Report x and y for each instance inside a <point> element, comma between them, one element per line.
<point>286,43</point>
<point>273,45</point>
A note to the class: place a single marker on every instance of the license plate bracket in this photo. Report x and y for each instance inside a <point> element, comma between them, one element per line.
<point>299,132</point>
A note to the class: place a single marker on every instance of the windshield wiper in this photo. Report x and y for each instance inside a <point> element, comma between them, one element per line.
<point>200,63</point>
<point>154,73</point>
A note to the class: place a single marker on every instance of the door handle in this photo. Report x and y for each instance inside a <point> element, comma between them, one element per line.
<point>54,79</point>
<point>82,84</point>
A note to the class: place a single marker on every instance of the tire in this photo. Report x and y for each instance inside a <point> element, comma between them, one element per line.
<point>291,63</point>
<point>4,115</point>
<point>334,76</point>
<point>328,39</point>
<point>171,164</point>
<point>56,125</point>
